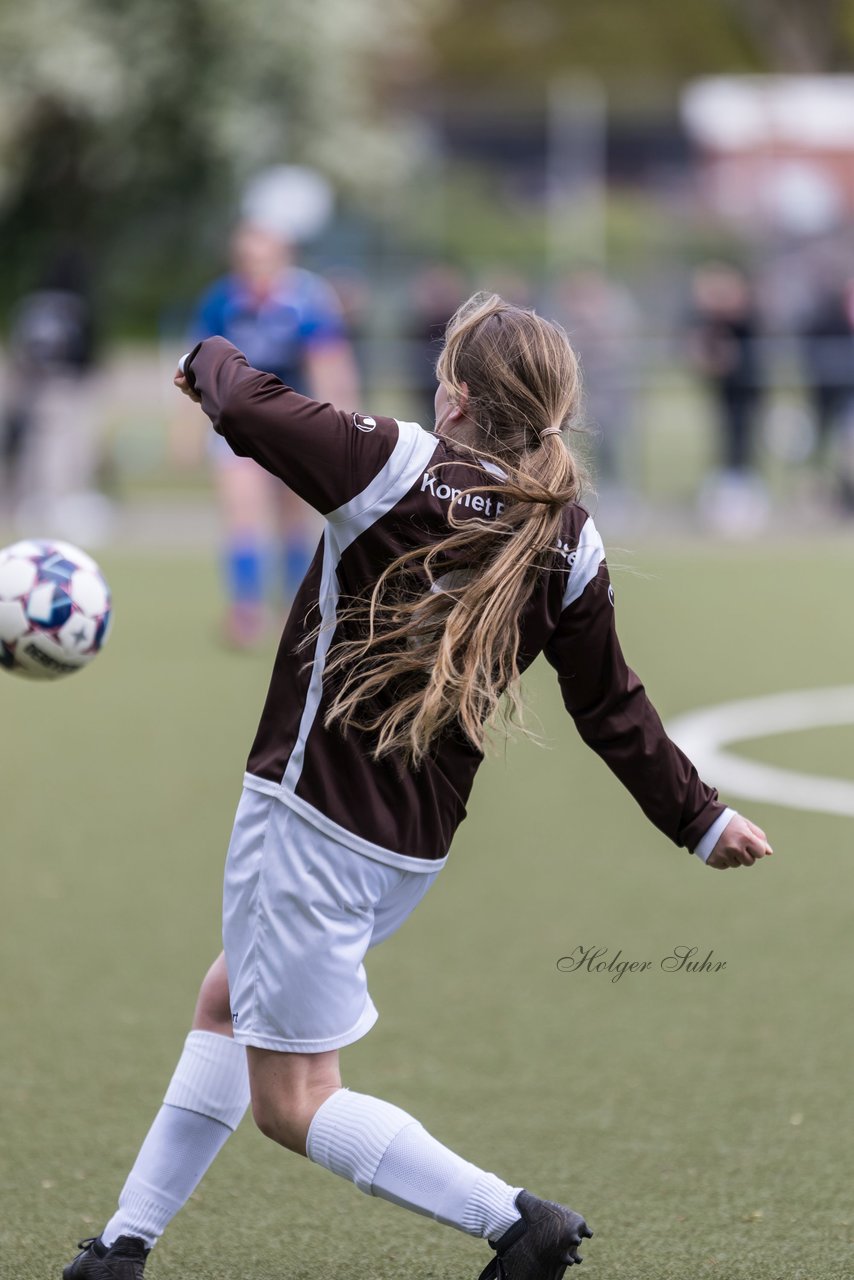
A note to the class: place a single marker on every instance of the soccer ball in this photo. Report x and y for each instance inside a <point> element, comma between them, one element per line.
<point>54,609</point>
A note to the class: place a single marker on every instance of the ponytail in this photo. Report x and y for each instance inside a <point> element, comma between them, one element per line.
<point>437,643</point>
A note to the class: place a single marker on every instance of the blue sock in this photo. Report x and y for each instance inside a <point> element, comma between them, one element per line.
<point>244,572</point>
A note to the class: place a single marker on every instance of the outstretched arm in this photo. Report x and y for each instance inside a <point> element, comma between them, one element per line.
<point>616,719</point>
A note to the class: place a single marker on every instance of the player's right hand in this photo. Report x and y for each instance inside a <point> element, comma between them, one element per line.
<point>180,381</point>
<point>740,844</point>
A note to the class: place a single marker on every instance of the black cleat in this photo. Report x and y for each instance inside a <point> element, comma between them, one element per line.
<point>124,1260</point>
<point>539,1247</point>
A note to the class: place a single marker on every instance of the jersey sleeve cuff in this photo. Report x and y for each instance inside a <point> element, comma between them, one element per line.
<point>184,365</point>
<point>714,833</point>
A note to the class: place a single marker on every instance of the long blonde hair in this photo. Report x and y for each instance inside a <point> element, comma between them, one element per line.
<point>436,645</point>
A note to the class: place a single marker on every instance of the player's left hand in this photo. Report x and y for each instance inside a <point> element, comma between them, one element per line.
<point>740,844</point>
<point>180,381</point>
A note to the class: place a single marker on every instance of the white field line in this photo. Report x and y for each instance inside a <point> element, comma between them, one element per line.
<point>704,735</point>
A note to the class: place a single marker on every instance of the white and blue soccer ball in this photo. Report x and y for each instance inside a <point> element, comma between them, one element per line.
<point>55,609</point>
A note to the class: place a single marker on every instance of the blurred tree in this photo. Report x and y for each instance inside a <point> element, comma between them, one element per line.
<point>127,126</point>
<point>647,48</point>
<point>798,35</point>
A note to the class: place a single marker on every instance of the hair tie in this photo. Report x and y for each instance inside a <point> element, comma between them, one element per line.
<point>551,431</point>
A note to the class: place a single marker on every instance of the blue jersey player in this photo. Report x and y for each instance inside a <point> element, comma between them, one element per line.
<point>289,323</point>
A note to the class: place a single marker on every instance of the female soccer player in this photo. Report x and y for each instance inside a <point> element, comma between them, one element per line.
<point>287,321</point>
<point>448,562</point>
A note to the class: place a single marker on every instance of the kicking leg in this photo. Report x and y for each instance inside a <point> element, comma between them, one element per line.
<point>298,1102</point>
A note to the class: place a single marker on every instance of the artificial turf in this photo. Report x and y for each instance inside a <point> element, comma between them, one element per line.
<point>701,1121</point>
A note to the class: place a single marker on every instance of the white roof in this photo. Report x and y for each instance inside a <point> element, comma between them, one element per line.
<point>739,113</point>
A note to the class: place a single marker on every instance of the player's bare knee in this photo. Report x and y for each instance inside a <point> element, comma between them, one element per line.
<point>281,1123</point>
<point>213,1010</point>
<point>266,1118</point>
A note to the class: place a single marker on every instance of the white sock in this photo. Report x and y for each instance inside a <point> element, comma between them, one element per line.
<point>205,1102</point>
<point>387,1153</point>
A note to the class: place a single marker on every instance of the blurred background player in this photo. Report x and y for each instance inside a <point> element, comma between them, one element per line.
<point>435,292</point>
<point>290,323</point>
<point>827,346</point>
<point>51,443</point>
<point>603,322</point>
<point>725,340</point>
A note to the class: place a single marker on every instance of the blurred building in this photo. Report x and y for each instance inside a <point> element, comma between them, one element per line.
<point>776,152</point>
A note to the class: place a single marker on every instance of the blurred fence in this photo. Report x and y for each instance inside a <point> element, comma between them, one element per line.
<point>154,470</point>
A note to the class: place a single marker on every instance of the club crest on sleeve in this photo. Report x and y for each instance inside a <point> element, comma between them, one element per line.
<point>362,423</point>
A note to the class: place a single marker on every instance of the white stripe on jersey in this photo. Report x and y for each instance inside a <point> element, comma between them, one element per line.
<point>412,453</point>
<point>588,556</point>
<point>412,441</point>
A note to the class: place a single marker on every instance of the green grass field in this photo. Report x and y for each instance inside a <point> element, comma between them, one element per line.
<point>702,1121</point>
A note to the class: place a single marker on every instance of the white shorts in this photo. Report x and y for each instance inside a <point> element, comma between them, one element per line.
<point>300,911</point>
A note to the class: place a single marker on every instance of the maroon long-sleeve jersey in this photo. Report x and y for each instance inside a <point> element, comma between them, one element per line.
<point>385,487</point>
